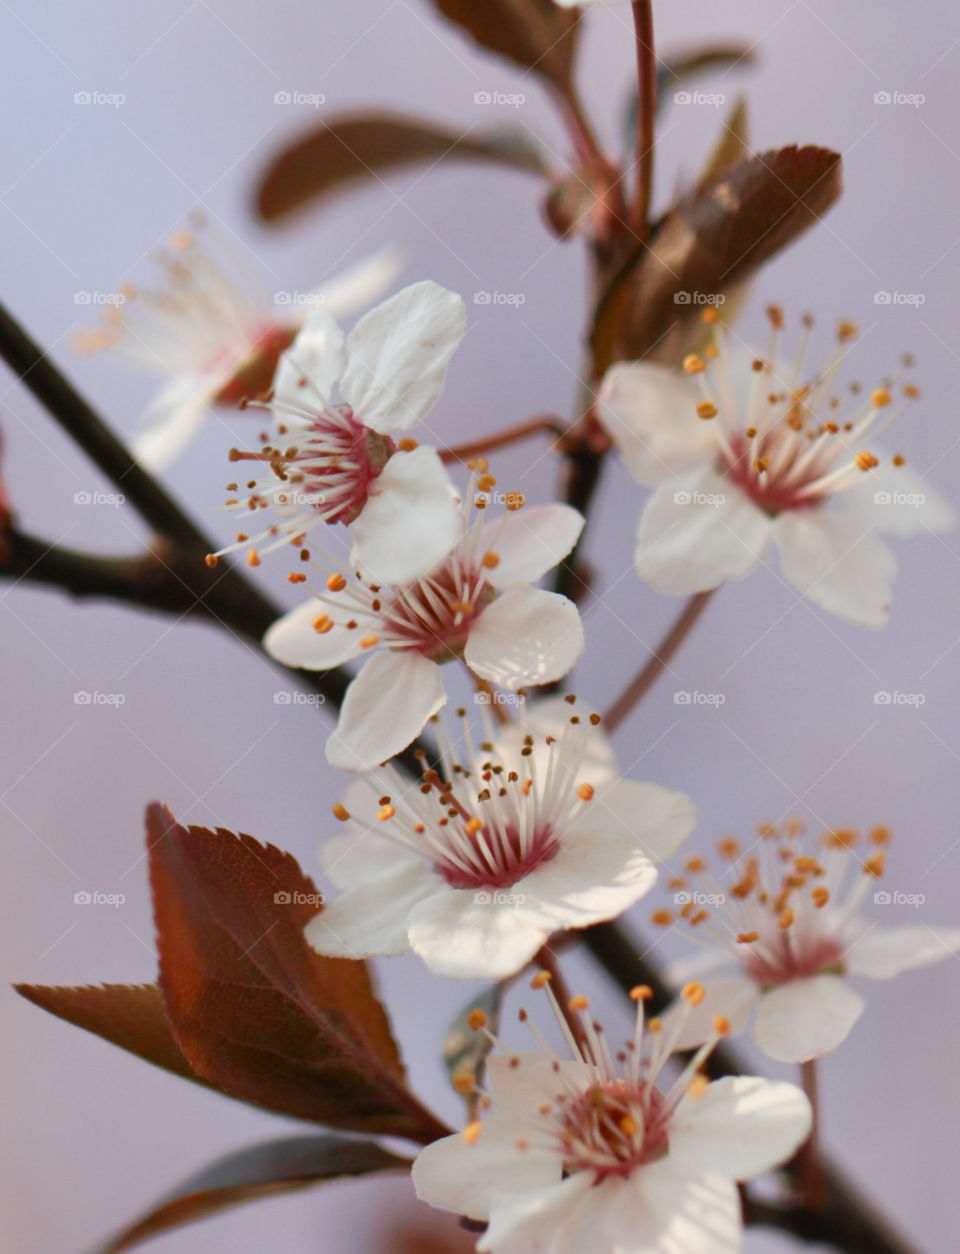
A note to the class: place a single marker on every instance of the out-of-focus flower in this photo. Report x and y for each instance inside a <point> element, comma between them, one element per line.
<point>590,1154</point>
<point>476,606</point>
<point>476,864</point>
<point>787,919</point>
<point>787,467</point>
<point>336,461</point>
<point>214,335</point>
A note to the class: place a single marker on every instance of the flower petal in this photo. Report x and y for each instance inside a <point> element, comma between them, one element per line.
<point>739,1127</point>
<point>698,532</point>
<point>398,355</point>
<point>899,502</point>
<point>172,421</point>
<point>529,542</point>
<point>527,636</point>
<point>293,640</point>
<point>731,996</point>
<point>386,707</point>
<point>545,1220</point>
<point>650,413</point>
<point>361,283</point>
<point>835,559</point>
<point>806,1019</point>
<point>371,919</point>
<point>466,934</point>
<point>884,952</point>
<point>656,819</point>
<point>410,522</point>
<point>455,1175</point>
<point>311,366</point>
<point>662,1210</point>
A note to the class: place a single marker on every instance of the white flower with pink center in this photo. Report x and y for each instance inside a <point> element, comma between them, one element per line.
<point>476,864</point>
<point>212,332</point>
<point>787,919</point>
<point>786,466</point>
<point>476,607</point>
<point>335,460</point>
<point>590,1154</point>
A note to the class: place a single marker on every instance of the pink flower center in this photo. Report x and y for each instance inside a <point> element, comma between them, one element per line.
<point>496,857</point>
<point>793,960</point>
<point>766,471</point>
<point>613,1128</point>
<point>436,615</point>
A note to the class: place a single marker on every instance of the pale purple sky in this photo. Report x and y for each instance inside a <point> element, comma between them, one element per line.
<point>92,1136</point>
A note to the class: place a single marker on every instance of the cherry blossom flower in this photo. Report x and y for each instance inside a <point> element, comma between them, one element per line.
<point>476,606</point>
<point>213,334</point>
<point>330,462</point>
<point>590,1154</point>
<point>474,866</point>
<point>789,467</point>
<point>790,928</point>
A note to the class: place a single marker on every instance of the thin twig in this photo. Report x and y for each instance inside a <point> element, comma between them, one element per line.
<point>548,423</point>
<point>646,114</point>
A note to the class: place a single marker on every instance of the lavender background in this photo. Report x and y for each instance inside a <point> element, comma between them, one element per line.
<point>90,1135</point>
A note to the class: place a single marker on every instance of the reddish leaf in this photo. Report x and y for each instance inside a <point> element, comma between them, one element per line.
<point>260,1171</point>
<point>129,1015</point>
<point>367,145</point>
<point>712,240</point>
<point>256,1012</point>
<point>537,34</point>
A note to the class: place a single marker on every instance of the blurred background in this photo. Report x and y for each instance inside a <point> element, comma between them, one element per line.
<point>89,190</point>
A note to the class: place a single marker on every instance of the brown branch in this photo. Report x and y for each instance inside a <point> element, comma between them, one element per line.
<point>503,439</point>
<point>646,114</point>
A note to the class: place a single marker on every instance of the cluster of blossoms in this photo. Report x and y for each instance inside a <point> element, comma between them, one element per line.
<point>588,1153</point>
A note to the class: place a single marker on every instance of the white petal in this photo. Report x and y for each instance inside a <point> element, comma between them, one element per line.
<point>699,532</point>
<point>481,935</point>
<point>410,522</point>
<point>352,858</point>
<point>309,369</point>
<point>836,560</point>
<point>371,920</point>
<point>806,1019</point>
<point>656,820</point>
<point>527,636</point>
<point>739,1127</point>
<point>592,877</point>
<point>884,952</point>
<point>293,641</point>
<point>385,707</point>
<point>662,1210</point>
<point>361,283</point>
<point>529,542</point>
<point>173,421</point>
<point>730,995</point>
<point>454,1175</point>
<point>650,413</point>
<point>539,1221</point>
<point>521,1082</point>
<point>398,355</point>
<point>899,502</point>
